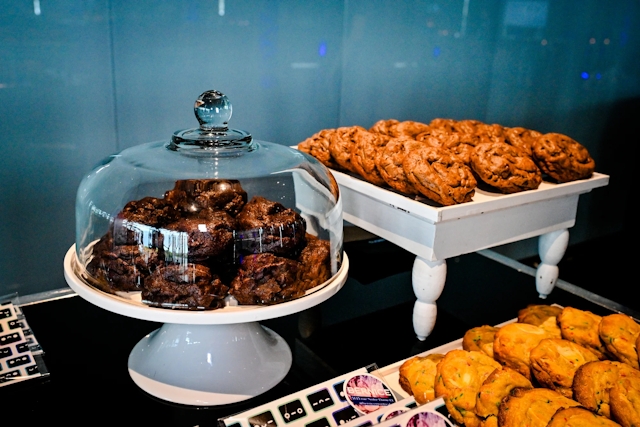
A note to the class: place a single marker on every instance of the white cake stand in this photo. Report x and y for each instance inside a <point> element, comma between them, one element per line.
<point>206,358</point>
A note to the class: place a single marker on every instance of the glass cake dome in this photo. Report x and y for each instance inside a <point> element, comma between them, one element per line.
<point>209,218</point>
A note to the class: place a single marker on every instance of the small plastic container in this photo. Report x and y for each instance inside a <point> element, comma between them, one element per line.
<point>209,218</point>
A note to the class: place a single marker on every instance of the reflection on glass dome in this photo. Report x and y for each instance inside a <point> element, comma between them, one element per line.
<point>258,227</point>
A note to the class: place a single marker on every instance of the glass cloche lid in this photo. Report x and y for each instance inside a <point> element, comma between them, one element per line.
<point>209,218</point>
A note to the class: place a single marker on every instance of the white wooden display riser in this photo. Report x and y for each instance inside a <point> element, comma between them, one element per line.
<point>435,234</point>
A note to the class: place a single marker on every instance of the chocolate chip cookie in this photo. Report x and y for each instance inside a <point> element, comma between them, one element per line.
<point>505,167</point>
<point>562,158</point>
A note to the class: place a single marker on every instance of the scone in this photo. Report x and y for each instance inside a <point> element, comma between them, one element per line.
<point>458,379</point>
<point>542,315</point>
<point>418,375</point>
<point>554,363</point>
<point>625,401</point>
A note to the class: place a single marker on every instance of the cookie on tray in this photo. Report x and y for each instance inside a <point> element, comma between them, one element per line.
<point>505,167</point>
<point>625,401</point>
<point>562,158</point>
<point>581,327</point>
<point>341,143</point>
<point>554,363</point>
<point>458,379</point>
<point>542,315</point>
<point>384,127</point>
<point>579,417</point>
<point>522,138</point>
<point>439,176</point>
<point>480,338</point>
<point>363,155</point>
<point>593,381</point>
<point>409,128</point>
<point>496,387</point>
<point>389,163</point>
<point>531,407</point>
<point>417,376</point>
<point>619,333</point>
<point>318,146</point>
<point>513,344</point>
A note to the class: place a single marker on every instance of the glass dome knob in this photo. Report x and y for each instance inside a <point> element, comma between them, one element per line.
<point>213,110</point>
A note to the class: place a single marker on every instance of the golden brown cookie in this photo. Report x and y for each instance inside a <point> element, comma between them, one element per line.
<point>458,379</point>
<point>619,333</point>
<point>579,417</point>
<point>496,387</point>
<point>531,408</point>
<point>554,363</point>
<point>480,338</point>
<point>593,381</point>
<point>562,158</point>
<point>625,402</point>
<point>389,163</point>
<point>341,143</point>
<point>542,315</point>
<point>455,143</point>
<point>439,176</point>
<point>467,126</point>
<point>581,327</point>
<point>318,146</point>
<point>505,167</point>
<point>418,376</point>
<point>363,155</point>
<point>522,138</point>
<point>536,314</point>
<point>513,344</point>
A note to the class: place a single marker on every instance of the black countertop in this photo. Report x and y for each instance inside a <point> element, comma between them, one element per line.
<point>368,321</point>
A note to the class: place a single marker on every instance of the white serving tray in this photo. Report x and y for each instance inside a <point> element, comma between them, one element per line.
<point>490,219</point>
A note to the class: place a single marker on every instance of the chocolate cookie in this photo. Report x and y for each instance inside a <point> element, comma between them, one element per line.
<point>318,146</point>
<point>267,226</point>
<point>315,263</point>
<point>189,286</point>
<point>341,143</point>
<point>409,128</point>
<point>138,219</point>
<point>384,127</point>
<point>505,167</point>
<point>265,279</point>
<point>210,234</point>
<point>389,163</point>
<point>363,155</point>
<point>439,176</point>
<point>190,196</point>
<point>562,158</point>
<point>522,138</point>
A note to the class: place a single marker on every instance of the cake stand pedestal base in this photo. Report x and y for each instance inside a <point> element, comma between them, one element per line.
<point>205,365</point>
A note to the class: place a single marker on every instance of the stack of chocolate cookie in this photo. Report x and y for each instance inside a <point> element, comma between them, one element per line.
<point>446,159</point>
<point>203,241</point>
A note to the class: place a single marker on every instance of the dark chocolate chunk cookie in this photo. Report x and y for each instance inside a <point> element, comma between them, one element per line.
<point>505,167</point>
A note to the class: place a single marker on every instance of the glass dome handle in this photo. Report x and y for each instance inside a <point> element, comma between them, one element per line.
<point>213,111</point>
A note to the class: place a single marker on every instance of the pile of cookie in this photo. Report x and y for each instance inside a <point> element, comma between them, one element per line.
<point>445,159</point>
<point>554,366</point>
<point>202,242</point>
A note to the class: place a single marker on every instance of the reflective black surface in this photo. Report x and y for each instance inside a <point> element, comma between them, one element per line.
<point>368,321</point>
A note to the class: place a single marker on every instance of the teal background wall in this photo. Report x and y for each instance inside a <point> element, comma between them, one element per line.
<point>80,80</point>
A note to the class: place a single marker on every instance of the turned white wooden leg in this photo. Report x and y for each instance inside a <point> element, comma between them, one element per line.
<point>428,279</point>
<point>551,247</point>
